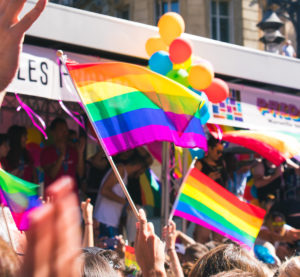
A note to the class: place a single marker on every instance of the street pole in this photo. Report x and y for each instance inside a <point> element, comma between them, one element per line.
<point>297,28</point>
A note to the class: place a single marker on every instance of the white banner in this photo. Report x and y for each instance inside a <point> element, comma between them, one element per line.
<point>39,74</point>
<point>253,108</point>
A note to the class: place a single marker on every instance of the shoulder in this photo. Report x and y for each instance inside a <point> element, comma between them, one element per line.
<point>199,164</point>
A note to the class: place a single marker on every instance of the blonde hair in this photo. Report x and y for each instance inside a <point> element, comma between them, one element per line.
<point>290,268</point>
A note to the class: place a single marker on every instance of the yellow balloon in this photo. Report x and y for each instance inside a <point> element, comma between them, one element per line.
<point>184,65</point>
<point>200,76</point>
<point>33,135</point>
<point>155,44</point>
<point>171,25</point>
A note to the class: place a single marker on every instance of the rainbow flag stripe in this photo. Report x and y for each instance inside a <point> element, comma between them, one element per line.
<point>130,106</point>
<point>130,259</point>
<point>206,203</point>
<point>19,196</point>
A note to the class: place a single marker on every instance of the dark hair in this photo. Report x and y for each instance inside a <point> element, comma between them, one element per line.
<point>9,262</point>
<point>226,257</point>
<point>194,252</point>
<point>57,121</point>
<point>16,152</point>
<point>3,138</point>
<point>273,214</point>
<point>212,142</point>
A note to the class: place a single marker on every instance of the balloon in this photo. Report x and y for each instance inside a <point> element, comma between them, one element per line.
<point>205,111</point>
<point>160,62</point>
<point>218,91</point>
<point>180,50</point>
<point>33,135</point>
<point>200,76</point>
<point>184,65</point>
<point>179,76</point>
<point>155,44</point>
<point>171,25</point>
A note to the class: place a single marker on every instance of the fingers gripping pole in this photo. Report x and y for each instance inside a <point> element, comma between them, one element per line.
<point>63,59</point>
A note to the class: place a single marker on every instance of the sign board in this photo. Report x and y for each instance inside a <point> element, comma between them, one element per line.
<point>253,108</point>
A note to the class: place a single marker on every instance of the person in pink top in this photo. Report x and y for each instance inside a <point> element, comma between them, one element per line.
<point>60,158</point>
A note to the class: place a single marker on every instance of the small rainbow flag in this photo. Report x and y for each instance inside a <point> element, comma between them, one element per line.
<point>130,106</point>
<point>130,259</point>
<point>203,201</point>
<point>19,196</point>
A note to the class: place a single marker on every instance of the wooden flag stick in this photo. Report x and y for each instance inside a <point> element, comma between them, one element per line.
<point>180,189</point>
<point>63,59</point>
<point>8,229</point>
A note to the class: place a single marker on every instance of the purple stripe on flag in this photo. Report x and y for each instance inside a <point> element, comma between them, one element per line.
<point>141,136</point>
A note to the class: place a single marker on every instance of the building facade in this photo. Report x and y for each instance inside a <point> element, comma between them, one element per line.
<point>232,21</point>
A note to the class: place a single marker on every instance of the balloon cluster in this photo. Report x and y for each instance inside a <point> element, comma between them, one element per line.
<point>171,55</point>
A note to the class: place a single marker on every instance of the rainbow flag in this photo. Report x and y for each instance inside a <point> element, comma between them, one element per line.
<point>203,201</point>
<point>130,259</point>
<point>130,106</point>
<point>150,188</point>
<point>19,196</point>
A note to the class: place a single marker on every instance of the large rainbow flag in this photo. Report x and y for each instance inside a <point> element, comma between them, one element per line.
<point>130,106</point>
<point>203,201</point>
<point>19,196</point>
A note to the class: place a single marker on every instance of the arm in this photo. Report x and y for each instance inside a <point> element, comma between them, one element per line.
<point>186,240</point>
<point>107,187</point>
<point>169,233</point>
<point>12,31</point>
<point>258,175</point>
<point>87,214</point>
<point>288,236</point>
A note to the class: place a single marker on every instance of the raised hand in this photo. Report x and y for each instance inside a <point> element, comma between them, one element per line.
<point>12,31</point>
<point>87,211</point>
<point>149,249</point>
<point>54,235</point>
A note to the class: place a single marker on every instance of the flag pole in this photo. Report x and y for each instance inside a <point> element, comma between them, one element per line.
<point>63,58</point>
<point>8,229</point>
<point>180,189</point>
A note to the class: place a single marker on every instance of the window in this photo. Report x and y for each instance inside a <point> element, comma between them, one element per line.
<point>220,25</point>
<point>117,8</point>
<point>163,6</point>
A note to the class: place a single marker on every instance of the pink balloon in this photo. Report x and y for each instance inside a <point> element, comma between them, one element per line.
<point>218,91</point>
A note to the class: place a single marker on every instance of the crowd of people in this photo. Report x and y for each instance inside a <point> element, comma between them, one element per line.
<point>59,243</point>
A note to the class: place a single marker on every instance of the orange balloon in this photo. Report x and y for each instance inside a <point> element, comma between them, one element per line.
<point>171,25</point>
<point>200,76</point>
<point>218,91</point>
<point>155,44</point>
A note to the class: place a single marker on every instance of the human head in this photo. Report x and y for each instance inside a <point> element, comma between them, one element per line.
<point>227,257</point>
<point>290,268</point>
<point>96,265</point>
<point>9,262</point>
<point>136,165</point>
<point>59,129</point>
<point>215,149</point>
<point>275,222</point>
<point>194,251</point>
<point>17,136</point>
<point>4,145</point>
